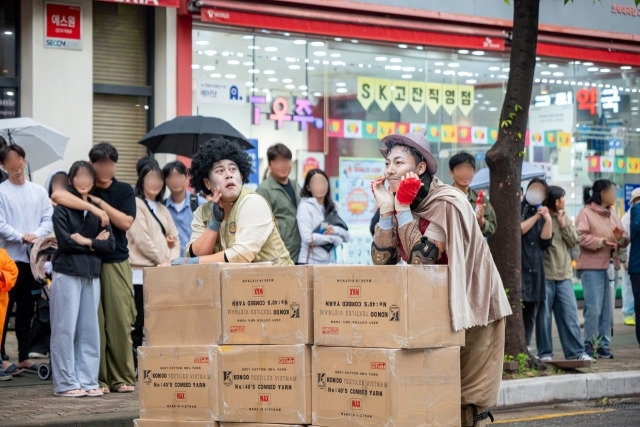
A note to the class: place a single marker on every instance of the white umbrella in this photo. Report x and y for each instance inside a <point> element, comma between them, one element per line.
<point>481,178</point>
<point>42,144</point>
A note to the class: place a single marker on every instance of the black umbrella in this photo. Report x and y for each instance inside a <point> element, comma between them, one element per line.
<point>183,135</point>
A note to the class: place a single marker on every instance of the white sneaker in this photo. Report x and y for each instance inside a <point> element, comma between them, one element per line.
<point>585,358</point>
<point>545,359</point>
<point>35,355</point>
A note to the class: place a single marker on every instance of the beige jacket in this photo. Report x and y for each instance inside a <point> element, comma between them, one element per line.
<point>147,244</point>
<point>557,258</point>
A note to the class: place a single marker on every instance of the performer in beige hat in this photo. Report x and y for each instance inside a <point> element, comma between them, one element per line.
<point>423,221</point>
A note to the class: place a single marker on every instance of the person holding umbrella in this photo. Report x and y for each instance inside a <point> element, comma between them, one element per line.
<point>237,225</point>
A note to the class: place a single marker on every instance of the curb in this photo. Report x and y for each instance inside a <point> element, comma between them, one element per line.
<point>568,387</point>
<point>120,419</point>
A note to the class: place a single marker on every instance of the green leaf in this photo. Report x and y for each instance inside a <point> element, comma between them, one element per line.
<point>512,115</point>
<point>518,107</point>
<point>505,123</point>
<point>519,135</point>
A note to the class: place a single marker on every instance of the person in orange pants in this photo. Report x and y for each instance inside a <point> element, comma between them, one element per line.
<point>8,276</point>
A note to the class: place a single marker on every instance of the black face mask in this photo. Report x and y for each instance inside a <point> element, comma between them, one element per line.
<point>426,179</point>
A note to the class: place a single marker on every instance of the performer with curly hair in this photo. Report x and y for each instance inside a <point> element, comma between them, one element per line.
<point>237,225</point>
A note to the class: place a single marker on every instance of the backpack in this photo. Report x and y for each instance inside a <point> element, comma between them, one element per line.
<point>193,202</point>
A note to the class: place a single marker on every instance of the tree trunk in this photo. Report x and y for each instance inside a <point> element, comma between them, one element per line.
<point>505,164</point>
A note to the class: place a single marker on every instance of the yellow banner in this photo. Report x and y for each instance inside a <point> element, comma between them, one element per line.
<point>449,133</point>
<point>564,139</point>
<point>465,96</point>
<point>366,91</point>
<point>383,93</point>
<point>449,98</point>
<point>417,96</point>
<point>400,94</point>
<point>434,97</point>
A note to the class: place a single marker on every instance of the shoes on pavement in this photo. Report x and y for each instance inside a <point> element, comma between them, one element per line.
<point>4,376</point>
<point>585,358</point>
<point>630,320</point>
<point>71,393</point>
<point>589,350</point>
<point>545,359</point>
<point>604,353</point>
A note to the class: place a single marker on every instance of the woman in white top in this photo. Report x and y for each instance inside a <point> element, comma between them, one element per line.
<point>153,237</point>
<point>320,236</point>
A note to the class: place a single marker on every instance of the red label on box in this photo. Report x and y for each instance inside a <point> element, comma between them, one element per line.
<point>181,396</point>
<point>330,330</point>
<point>258,291</point>
<point>265,398</point>
<point>356,404</point>
<point>235,329</point>
<point>287,361</point>
<point>378,365</point>
<point>354,292</point>
<point>201,359</point>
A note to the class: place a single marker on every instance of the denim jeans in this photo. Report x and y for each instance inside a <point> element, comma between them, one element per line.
<point>597,307</point>
<point>561,301</point>
<point>627,295</point>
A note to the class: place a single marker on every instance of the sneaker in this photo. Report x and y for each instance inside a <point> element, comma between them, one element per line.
<point>585,358</point>
<point>4,376</point>
<point>588,349</point>
<point>5,357</point>
<point>630,320</point>
<point>604,353</point>
<point>545,359</point>
<point>34,355</point>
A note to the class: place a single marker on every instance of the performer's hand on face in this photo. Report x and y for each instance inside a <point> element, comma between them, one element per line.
<point>384,199</point>
<point>408,189</point>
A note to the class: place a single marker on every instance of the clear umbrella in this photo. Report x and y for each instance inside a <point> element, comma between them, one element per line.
<point>481,178</point>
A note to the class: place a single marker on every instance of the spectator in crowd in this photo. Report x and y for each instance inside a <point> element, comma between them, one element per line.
<point>145,161</point>
<point>39,343</point>
<point>321,229</point>
<point>75,291</point>
<point>602,238</point>
<point>537,232</point>
<point>181,203</point>
<point>628,303</point>
<point>237,226</point>
<point>561,300</point>
<point>8,276</point>
<point>283,196</point>
<point>153,239</point>
<point>113,201</point>
<point>25,215</point>
<point>462,167</point>
<point>634,257</point>
<point>423,221</point>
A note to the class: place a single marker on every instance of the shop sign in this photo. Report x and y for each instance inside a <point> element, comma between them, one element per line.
<point>401,93</point>
<point>620,9</point>
<point>628,189</point>
<point>63,26</point>
<point>610,99</point>
<point>301,112</point>
<point>630,165</point>
<point>254,178</point>
<point>561,98</point>
<point>221,92</point>
<point>587,99</point>
<point>308,160</point>
<point>164,3</point>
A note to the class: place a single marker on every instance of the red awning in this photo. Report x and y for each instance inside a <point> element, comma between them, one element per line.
<point>161,3</point>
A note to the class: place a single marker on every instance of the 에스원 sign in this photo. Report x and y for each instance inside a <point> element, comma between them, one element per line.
<point>63,26</point>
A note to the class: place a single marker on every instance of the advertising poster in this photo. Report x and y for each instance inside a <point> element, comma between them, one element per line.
<point>63,26</point>
<point>308,160</point>
<point>254,179</point>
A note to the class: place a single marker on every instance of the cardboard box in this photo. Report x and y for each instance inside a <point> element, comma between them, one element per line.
<point>177,383</point>
<point>267,305</point>
<point>383,306</point>
<point>259,425</point>
<point>174,423</point>
<point>375,387</point>
<point>182,305</point>
<point>270,384</point>
<point>264,384</point>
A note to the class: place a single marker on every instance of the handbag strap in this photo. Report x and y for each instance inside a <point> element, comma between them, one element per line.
<point>164,232</point>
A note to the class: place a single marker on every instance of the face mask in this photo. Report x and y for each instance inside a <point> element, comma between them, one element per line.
<point>534,198</point>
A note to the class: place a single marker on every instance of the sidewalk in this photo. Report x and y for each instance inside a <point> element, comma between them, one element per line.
<point>28,401</point>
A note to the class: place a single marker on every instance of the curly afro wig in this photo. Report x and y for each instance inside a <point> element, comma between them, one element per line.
<point>213,151</point>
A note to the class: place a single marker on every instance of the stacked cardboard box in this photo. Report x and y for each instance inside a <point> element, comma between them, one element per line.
<point>227,344</point>
<point>384,353</point>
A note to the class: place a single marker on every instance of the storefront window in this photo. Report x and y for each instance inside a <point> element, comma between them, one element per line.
<point>336,98</point>
<point>8,60</point>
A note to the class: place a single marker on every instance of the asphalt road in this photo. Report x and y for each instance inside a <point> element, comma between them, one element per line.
<point>611,413</point>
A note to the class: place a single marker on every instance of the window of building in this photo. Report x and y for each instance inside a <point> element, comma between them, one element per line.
<point>9,71</point>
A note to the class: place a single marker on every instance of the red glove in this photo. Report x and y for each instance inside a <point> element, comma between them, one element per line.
<point>408,190</point>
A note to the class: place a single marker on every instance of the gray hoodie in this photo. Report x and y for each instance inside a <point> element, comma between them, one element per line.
<point>310,214</point>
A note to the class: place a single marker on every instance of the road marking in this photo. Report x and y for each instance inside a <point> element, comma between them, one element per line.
<point>551,416</point>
